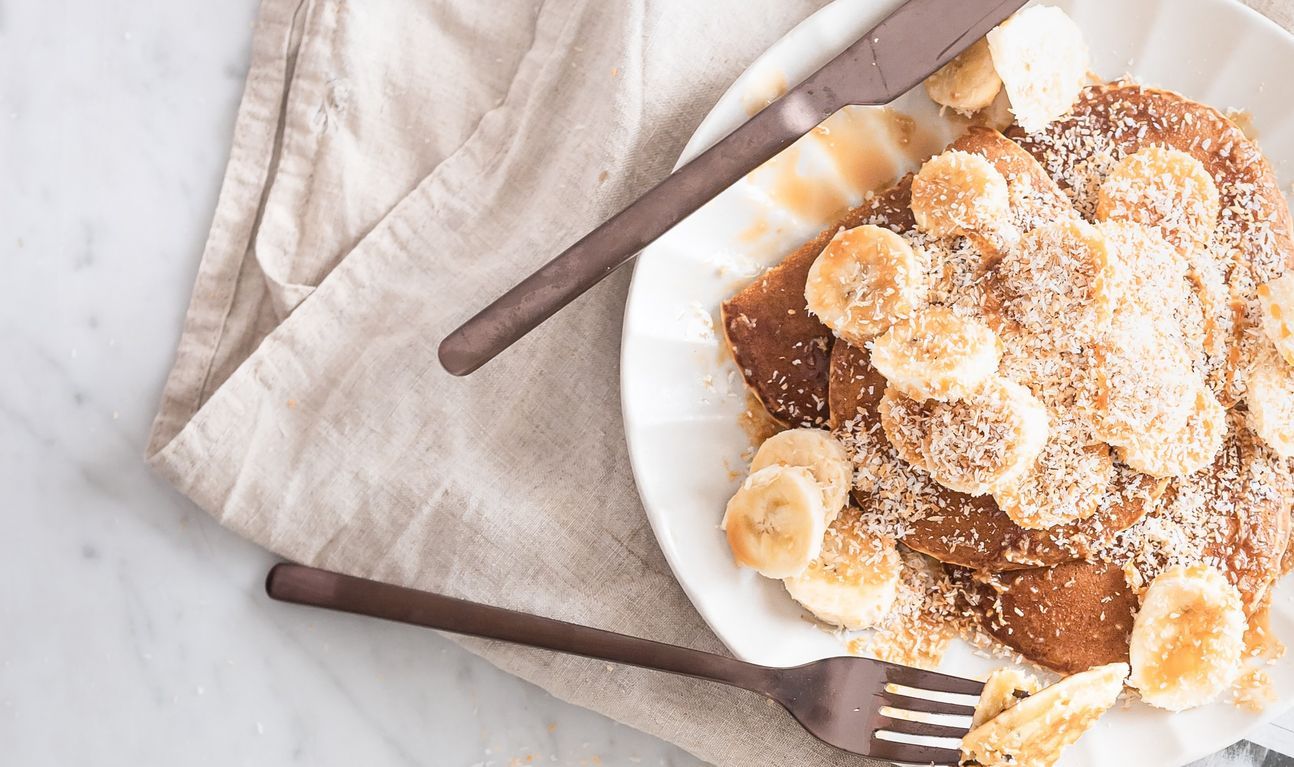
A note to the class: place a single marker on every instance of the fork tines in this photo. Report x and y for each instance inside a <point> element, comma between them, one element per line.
<point>932,681</point>
<point>912,753</point>
<point>903,696</point>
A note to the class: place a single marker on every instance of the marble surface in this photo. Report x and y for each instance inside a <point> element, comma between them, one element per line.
<point>134,630</point>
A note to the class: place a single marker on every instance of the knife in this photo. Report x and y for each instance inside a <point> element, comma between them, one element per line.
<point>889,60</point>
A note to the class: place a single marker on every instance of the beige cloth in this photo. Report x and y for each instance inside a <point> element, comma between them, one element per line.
<point>395,164</point>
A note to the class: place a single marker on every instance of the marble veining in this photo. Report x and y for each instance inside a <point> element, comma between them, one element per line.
<point>134,630</point>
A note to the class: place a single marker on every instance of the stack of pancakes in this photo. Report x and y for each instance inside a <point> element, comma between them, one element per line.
<point>1063,596</point>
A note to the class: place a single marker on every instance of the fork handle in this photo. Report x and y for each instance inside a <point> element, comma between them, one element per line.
<point>618,240</point>
<point>311,586</point>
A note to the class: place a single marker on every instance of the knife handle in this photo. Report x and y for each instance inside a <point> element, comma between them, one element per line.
<point>614,243</point>
<point>311,586</point>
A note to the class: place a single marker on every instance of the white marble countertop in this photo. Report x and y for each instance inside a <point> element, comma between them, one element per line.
<point>133,629</point>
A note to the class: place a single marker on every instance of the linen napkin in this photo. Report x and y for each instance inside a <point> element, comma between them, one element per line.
<point>396,164</point>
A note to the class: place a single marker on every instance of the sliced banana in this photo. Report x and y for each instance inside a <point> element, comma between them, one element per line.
<point>1043,61</point>
<point>968,83</point>
<point>1187,450</point>
<point>776,521</point>
<point>819,452</point>
<point>936,354</point>
<point>1064,485</point>
<point>1002,691</point>
<point>865,279</point>
<point>1164,188</point>
<point>972,445</point>
<point>960,193</point>
<point>854,581</point>
<point>1036,729</point>
<point>1177,292</point>
<point>1270,399</point>
<point>907,422</point>
<point>1206,275</point>
<point>1277,301</point>
<point>1063,278</point>
<point>1188,638</point>
<point>1145,382</point>
<point>1148,267</point>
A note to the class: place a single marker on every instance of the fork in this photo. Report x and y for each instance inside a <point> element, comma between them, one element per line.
<point>894,56</point>
<point>848,702</point>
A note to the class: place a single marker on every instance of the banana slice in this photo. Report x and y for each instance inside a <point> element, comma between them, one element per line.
<point>1184,295</point>
<point>973,445</point>
<point>820,453</point>
<point>776,521</point>
<point>1187,450</point>
<point>1064,485</point>
<point>960,193</point>
<point>854,581</point>
<point>1271,403</point>
<point>907,422</point>
<point>1188,638</point>
<point>935,354</point>
<point>968,83</point>
<point>1166,189</point>
<point>1043,61</point>
<point>1035,730</point>
<point>863,281</point>
<point>1145,383</point>
<point>1277,301</point>
<point>1206,276</point>
<point>1000,693</point>
<point>1149,269</point>
<point>1064,278</point>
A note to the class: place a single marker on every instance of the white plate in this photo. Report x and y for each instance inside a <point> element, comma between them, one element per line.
<point>682,397</point>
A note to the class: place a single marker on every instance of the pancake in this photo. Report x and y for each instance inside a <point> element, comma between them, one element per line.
<point>953,527</point>
<point>1059,596</point>
<point>1234,515</point>
<point>1254,240</point>
<point>783,351</point>
<point>1069,618</point>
